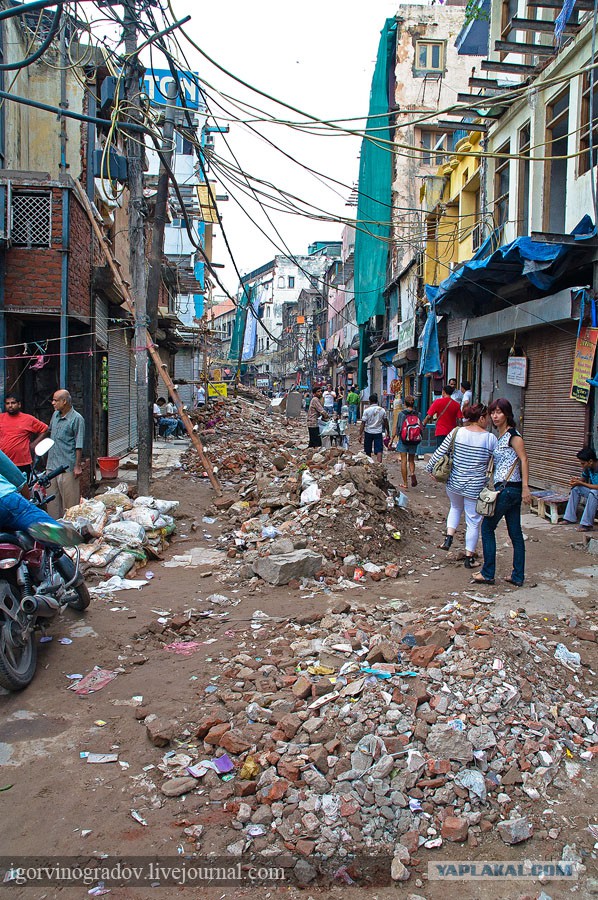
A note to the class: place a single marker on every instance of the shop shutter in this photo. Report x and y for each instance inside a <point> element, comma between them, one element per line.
<point>183,372</point>
<point>119,357</point>
<point>101,321</point>
<point>554,427</point>
<point>133,430</point>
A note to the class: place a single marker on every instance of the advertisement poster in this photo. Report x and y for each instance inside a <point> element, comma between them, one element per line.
<point>517,370</point>
<point>583,363</point>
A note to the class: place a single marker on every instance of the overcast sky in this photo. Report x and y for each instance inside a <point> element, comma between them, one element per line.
<point>318,56</point>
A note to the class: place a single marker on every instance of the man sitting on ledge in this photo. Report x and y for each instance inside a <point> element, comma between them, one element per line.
<point>586,486</point>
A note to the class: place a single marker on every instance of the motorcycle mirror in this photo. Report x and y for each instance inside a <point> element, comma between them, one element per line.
<point>42,448</point>
<point>55,533</point>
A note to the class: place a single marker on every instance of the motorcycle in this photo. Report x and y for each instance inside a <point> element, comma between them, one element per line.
<point>37,580</point>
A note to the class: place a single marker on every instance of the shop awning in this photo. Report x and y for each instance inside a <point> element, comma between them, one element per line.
<point>541,268</point>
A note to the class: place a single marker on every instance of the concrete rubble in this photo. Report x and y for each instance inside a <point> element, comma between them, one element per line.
<point>378,731</point>
<point>281,499</point>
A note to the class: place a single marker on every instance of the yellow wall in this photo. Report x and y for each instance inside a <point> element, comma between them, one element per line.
<point>456,213</point>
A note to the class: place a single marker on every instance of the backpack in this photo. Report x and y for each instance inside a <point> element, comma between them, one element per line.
<point>411,429</point>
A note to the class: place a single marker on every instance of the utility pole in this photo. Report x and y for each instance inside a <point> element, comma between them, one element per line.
<point>157,249</point>
<point>135,159</point>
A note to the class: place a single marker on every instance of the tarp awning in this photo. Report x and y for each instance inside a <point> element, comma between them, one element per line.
<point>542,268</point>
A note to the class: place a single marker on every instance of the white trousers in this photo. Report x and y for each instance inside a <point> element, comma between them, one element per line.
<point>473,519</point>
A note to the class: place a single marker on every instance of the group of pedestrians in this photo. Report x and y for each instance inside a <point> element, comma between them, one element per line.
<point>478,456</point>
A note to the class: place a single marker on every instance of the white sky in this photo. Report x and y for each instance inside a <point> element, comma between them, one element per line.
<point>317,55</point>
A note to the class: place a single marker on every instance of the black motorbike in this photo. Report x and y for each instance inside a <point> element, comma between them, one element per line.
<point>37,580</point>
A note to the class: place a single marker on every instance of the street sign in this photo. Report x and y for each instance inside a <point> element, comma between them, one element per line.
<point>156,83</point>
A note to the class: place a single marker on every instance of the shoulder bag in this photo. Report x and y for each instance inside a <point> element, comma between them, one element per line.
<point>487,498</point>
<point>443,467</point>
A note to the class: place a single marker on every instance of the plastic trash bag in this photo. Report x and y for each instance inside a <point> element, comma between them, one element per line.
<point>121,564</point>
<point>130,534</point>
<point>114,499</point>
<point>92,510</point>
<point>163,506</point>
<point>143,515</point>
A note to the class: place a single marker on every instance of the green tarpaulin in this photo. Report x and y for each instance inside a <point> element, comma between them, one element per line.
<point>374,201</point>
<point>238,335</point>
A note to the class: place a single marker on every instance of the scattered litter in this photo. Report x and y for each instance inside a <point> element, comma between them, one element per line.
<point>64,640</point>
<point>183,648</point>
<point>46,639</point>
<point>93,681</point>
<point>138,817</point>
<point>98,890</point>
<point>116,583</point>
<point>567,657</point>
<point>102,757</point>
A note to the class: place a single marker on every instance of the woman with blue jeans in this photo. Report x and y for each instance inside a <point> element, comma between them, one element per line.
<point>511,479</point>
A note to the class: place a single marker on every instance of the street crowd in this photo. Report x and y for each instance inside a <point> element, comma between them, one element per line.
<point>480,456</point>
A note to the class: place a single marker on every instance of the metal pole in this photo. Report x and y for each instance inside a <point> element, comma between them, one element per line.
<point>135,154</point>
<point>157,248</point>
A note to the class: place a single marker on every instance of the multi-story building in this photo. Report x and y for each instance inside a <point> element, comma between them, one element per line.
<point>270,290</point>
<point>342,330</point>
<point>514,311</point>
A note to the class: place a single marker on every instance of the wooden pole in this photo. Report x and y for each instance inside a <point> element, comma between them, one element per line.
<point>151,348</point>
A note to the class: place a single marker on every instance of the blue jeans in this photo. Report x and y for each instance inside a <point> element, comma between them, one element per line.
<point>17,514</point>
<point>352,413</point>
<point>589,513</point>
<point>508,504</point>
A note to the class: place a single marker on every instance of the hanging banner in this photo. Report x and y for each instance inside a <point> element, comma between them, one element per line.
<point>583,363</point>
<point>517,371</point>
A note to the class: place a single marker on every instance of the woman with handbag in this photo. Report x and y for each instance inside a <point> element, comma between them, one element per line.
<point>471,448</point>
<point>511,481</point>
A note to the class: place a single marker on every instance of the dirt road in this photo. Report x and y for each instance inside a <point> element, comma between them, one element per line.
<point>55,804</point>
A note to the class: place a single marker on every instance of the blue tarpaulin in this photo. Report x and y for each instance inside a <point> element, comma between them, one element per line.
<point>429,360</point>
<point>473,289</point>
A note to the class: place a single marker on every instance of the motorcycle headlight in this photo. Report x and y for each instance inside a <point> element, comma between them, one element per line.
<point>8,562</point>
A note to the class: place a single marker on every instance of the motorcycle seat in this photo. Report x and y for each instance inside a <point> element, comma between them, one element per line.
<point>10,537</point>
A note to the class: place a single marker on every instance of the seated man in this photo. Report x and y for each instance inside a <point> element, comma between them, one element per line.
<point>586,486</point>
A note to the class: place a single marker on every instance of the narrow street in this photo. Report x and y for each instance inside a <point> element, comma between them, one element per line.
<point>211,659</point>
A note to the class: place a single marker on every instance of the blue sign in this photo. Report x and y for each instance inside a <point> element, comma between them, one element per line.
<point>156,83</point>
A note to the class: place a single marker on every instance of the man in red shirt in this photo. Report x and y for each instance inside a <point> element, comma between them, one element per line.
<point>447,413</point>
<point>17,430</point>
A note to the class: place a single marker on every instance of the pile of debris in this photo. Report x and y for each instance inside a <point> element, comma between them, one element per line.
<point>123,533</point>
<point>286,497</point>
<point>379,731</point>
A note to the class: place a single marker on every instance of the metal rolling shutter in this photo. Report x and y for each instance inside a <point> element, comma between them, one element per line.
<point>183,370</point>
<point>118,393</point>
<point>554,427</point>
<point>133,429</point>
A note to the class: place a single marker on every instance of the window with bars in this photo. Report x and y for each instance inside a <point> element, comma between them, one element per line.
<point>32,219</point>
<point>555,166</point>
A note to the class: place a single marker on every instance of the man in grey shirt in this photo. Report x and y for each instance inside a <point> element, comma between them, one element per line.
<point>374,423</point>
<point>67,430</point>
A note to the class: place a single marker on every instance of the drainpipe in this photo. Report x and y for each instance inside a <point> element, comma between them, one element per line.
<point>64,327</point>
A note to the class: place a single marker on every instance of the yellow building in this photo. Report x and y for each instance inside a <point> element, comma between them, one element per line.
<point>452,210</point>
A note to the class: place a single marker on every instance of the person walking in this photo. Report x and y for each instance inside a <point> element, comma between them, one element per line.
<point>17,431</point>
<point>353,403</point>
<point>472,447</point>
<point>67,430</point>
<point>511,479</point>
<point>328,399</point>
<point>457,394</point>
<point>374,422</point>
<point>447,413</point>
<point>315,411</point>
<point>409,432</point>
<point>339,402</point>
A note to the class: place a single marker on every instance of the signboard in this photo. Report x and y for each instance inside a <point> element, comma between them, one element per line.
<point>262,382</point>
<point>216,375</point>
<point>156,83</point>
<point>217,390</point>
<point>517,371</point>
<point>406,338</point>
<point>583,363</point>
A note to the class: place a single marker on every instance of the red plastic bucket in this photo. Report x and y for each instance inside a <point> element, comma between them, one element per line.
<point>109,466</point>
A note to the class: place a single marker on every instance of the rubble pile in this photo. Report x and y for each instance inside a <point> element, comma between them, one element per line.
<point>288,497</point>
<point>378,730</point>
<point>123,533</point>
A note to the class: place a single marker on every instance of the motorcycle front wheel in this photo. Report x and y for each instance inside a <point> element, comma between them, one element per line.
<point>18,655</point>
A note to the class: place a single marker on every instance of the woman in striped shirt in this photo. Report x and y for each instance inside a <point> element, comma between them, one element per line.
<point>473,447</point>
